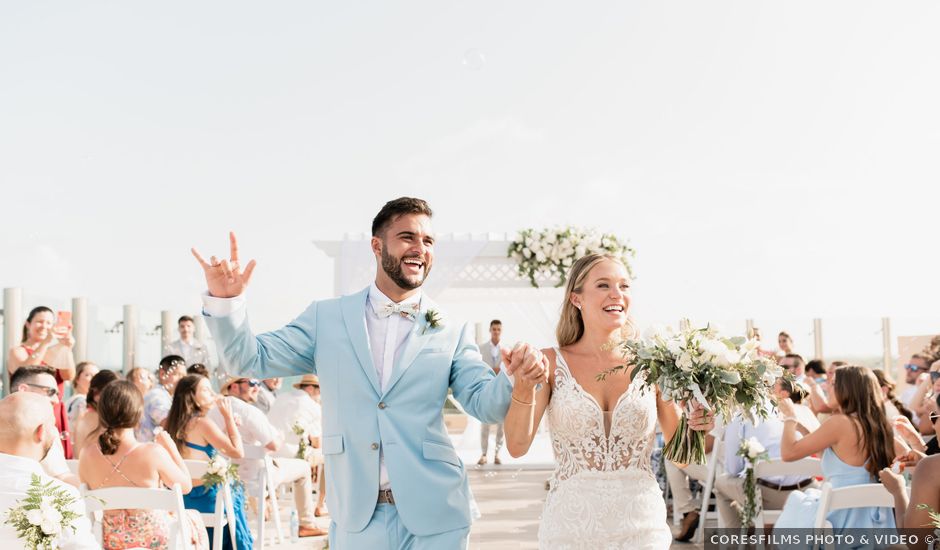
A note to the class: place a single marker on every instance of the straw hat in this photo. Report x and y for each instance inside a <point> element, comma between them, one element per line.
<point>229,381</point>
<point>307,380</point>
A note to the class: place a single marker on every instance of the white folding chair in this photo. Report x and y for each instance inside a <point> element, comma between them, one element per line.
<point>807,467</point>
<point>135,498</point>
<point>73,465</point>
<point>851,496</point>
<point>264,486</point>
<point>713,458</point>
<point>224,507</point>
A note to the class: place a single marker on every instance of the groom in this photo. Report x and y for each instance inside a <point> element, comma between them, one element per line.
<point>386,357</point>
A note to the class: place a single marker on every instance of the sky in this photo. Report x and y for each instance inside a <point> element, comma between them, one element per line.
<point>774,161</point>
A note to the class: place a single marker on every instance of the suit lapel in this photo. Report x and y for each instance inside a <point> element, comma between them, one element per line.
<point>421,333</point>
<point>354,309</point>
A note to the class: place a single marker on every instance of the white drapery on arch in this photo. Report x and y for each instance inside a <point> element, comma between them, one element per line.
<point>474,281</point>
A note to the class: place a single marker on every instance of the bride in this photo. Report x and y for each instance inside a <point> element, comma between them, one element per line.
<point>603,493</point>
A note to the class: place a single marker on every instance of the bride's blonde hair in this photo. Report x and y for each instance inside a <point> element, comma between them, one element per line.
<point>570,327</point>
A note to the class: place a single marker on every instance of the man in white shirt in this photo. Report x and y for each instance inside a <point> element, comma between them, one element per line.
<point>729,485</point>
<point>191,350</point>
<point>267,393</point>
<point>299,406</point>
<point>27,433</point>
<point>255,429</point>
<point>795,364</point>
<point>490,350</point>
<point>41,381</point>
<point>918,365</point>
<point>157,402</point>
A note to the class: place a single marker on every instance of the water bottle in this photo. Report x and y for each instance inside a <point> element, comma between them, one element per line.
<point>294,527</point>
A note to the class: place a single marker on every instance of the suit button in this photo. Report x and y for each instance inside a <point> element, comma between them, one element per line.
<point>382,404</point>
<point>375,446</point>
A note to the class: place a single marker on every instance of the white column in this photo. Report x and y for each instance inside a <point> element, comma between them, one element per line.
<point>166,329</point>
<point>130,338</point>
<point>482,334</point>
<point>12,326</point>
<point>749,328</point>
<point>886,343</point>
<point>80,328</point>
<point>201,329</point>
<point>817,338</point>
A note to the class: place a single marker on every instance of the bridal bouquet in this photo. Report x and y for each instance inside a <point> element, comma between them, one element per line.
<point>40,518</point>
<point>699,365</point>
<point>220,471</point>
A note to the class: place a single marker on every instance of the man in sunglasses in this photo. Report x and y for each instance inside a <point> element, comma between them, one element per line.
<point>918,365</point>
<point>157,402</point>
<point>41,381</point>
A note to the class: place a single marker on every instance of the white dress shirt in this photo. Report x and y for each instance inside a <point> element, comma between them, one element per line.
<point>296,406</point>
<point>254,428</point>
<point>386,336</point>
<point>769,432</point>
<point>15,478</point>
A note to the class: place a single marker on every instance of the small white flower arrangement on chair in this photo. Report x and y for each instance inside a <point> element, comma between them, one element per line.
<point>41,517</point>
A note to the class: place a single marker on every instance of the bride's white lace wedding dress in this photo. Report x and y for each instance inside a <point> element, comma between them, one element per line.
<point>603,493</point>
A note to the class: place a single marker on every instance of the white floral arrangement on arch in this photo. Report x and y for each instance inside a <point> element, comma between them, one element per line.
<point>550,253</point>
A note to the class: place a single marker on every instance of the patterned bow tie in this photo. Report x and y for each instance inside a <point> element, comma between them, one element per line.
<point>405,310</point>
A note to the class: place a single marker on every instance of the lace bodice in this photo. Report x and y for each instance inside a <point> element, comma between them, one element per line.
<point>579,438</point>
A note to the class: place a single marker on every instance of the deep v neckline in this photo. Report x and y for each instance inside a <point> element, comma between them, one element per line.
<point>560,359</point>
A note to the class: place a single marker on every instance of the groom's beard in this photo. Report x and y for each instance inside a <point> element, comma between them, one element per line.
<point>393,268</point>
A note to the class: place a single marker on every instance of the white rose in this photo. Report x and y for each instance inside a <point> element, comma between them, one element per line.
<point>712,350</point>
<point>540,256</point>
<point>685,362</point>
<point>674,345</point>
<point>50,527</point>
<point>654,332</point>
<point>527,253</point>
<point>754,448</point>
<point>566,262</point>
<point>34,516</point>
<point>731,357</point>
<point>750,345</point>
<point>580,251</point>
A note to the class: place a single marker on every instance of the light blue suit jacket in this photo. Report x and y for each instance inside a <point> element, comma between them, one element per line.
<point>329,338</point>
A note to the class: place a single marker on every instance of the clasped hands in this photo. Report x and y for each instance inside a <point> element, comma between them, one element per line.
<point>528,365</point>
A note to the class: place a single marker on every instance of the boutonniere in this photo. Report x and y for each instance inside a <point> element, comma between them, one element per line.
<point>41,517</point>
<point>433,318</point>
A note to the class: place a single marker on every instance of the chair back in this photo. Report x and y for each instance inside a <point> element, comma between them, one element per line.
<point>136,498</point>
<point>224,507</point>
<point>852,496</point>
<point>262,487</point>
<point>73,465</point>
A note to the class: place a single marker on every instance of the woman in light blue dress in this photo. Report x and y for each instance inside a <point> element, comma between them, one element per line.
<point>855,443</point>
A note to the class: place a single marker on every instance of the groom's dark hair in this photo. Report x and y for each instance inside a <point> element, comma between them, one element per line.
<point>396,208</point>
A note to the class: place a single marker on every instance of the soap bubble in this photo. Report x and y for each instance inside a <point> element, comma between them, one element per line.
<point>474,59</point>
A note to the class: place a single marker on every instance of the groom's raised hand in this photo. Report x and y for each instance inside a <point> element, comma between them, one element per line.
<point>225,278</point>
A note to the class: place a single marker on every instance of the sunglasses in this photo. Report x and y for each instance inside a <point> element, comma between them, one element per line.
<point>935,375</point>
<point>934,416</point>
<point>310,386</point>
<point>46,389</point>
<point>914,368</point>
<point>251,383</point>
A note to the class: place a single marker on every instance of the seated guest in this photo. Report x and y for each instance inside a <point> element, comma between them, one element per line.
<point>87,429</point>
<point>267,394</point>
<point>298,406</point>
<point>198,368</point>
<point>928,387</point>
<point>933,416</point>
<point>142,379</point>
<point>41,381</point>
<point>678,479</point>
<point>925,489</point>
<point>818,391</point>
<point>729,485</point>
<point>898,414</point>
<point>198,438</point>
<point>789,389</point>
<point>158,400</point>
<point>816,369</point>
<point>795,364</point>
<point>75,406</point>
<point>116,459</point>
<point>257,430</point>
<point>27,434</point>
<point>856,443</point>
<point>917,366</point>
